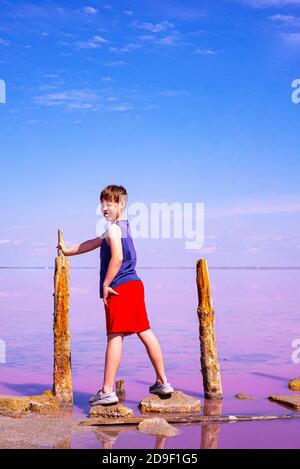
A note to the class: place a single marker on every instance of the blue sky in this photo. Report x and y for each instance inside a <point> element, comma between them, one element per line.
<point>177,101</point>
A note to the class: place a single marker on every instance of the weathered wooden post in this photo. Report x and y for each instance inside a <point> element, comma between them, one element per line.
<point>120,390</point>
<point>62,373</point>
<point>210,367</point>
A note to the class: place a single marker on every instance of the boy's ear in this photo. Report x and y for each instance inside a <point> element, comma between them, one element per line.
<point>122,200</point>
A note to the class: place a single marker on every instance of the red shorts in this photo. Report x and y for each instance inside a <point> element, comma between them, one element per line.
<point>127,312</point>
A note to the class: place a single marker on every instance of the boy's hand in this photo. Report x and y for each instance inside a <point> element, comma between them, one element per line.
<point>61,245</point>
<point>106,291</point>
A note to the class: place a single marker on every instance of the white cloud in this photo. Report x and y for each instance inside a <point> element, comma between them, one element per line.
<point>37,244</point>
<point>94,43</point>
<point>126,48</point>
<point>287,23</point>
<point>51,75</point>
<point>4,294</point>
<point>254,249</point>
<point>128,12</point>
<point>163,33</point>
<point>90,10</point>
<point>5,241</point>
<point>107,79</point>
<point>293,38</point>
<point>115,63</point>
<point>121,107</point>
<point>174,93</point>
<point>111,98</point>
<point>87,100</point>
<point>147,37</point>
<point>72,99</point>
<point>33,121</point>
<point>205,52</point>
<point>150,107</point>
<point>166,40</point>
<point>284,18</point>
<point>169,40</point>
<point>154,27</point>
<point>3,42</point>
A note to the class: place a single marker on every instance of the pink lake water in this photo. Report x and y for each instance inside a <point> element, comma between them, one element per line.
<point>257,319</point>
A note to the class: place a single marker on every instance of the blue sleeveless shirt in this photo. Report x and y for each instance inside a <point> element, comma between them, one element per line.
<point>127,270</point>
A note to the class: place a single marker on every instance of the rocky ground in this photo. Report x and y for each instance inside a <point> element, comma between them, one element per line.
<point>35,431</point>
<point>24,424</point>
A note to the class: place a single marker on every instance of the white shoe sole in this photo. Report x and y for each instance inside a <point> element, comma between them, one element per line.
<point>163,390</point>
<point>104,402</point>
<point>100,399</point>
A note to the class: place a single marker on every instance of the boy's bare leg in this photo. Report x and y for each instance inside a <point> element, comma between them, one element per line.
<point>112,360</point>
<point>154,351</point>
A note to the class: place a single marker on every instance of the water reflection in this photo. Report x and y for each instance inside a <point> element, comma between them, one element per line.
<point>108,436</point>
<point>210,430</point>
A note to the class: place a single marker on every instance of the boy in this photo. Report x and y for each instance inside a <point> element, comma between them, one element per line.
<point>123,295</point>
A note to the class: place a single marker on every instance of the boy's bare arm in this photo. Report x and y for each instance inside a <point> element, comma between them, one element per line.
<point>81,248</point>
<point>114,237</point>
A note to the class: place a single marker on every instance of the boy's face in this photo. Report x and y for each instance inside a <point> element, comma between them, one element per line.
<point>111,210</point>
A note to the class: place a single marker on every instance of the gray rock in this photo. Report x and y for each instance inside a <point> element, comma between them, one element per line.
<point>177,402</point>
<point>294,384</point>
<point>110,411</point>
<point>291,400</point>
<point>241,395</point>
<point>18,406</point>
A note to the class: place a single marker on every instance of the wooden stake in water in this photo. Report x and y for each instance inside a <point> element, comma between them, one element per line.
<point>62,373</point>
<point>120,390</point>
<point>210,367</point>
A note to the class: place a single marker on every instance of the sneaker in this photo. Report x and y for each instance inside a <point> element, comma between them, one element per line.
<point>161,389</point>
<point>104,398</point>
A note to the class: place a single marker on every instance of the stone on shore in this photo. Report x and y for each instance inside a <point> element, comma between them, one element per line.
<point>110,411</point>
<point>291,400</point>
<point>157,426</point>
<point>241,395</point>
<point>177,402</point>
<point>18,406</point>
<point>294,384</point>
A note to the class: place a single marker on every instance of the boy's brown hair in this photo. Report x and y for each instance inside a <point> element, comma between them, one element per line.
<point>113,193</point>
